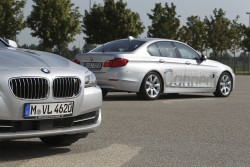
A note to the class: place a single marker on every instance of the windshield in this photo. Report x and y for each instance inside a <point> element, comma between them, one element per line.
<point>119,46</point>
<point>2,44</point>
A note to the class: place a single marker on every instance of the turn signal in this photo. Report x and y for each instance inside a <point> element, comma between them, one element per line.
<point>116,62</point>
<point>76,61</point>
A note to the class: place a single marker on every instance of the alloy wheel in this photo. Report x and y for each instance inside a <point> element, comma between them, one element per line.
<point>225,85</point>
<point>153,86</point>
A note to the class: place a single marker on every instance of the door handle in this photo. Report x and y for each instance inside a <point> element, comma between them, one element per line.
<point>188,63</point>
<point>168,70</point>
<point>162,61</point>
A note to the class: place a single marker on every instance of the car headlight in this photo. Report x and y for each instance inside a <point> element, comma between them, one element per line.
<point>90,79</point>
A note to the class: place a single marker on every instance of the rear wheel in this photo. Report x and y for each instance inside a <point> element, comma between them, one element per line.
<point>151,86</point>
<point>62,140</point>
<point>224,85</point>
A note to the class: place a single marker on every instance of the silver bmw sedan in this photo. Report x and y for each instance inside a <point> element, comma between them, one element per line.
<point>151,66</point>
<point>47,96</point>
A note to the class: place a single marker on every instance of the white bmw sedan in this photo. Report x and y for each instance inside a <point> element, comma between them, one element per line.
<point>150,67</point>
<point>46,96</point>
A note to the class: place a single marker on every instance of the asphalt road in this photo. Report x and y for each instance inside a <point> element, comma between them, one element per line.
<point>187,130</point>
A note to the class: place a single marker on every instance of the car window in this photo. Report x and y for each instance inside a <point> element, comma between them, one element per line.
<point>186,52</point>
<point>166,49</point>
<point>119,46</point>
<point>153,50</point>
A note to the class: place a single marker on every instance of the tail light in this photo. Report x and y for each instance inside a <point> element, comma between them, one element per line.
<point>116,62</point>
<point>76,61</point>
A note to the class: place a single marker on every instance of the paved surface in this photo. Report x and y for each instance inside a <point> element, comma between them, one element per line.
<point>189,130</point>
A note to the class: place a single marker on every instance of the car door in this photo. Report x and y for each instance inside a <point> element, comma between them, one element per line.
<point>198,74</point>
<point>172,68</point>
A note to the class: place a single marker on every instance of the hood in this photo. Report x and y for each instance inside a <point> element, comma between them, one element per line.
<point>219,64</point>
<point>12,58</point>
<point>216,63</point>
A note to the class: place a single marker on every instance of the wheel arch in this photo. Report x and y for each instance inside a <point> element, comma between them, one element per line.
<point>227,71</point>
<point>161,77</point>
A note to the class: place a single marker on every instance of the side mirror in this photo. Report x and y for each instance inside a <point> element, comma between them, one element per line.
<point>203,57</point>
<point>11,43</point>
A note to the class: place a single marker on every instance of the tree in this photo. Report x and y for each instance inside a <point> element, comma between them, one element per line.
<point>236,38</point>
<point>75,50</point>
<point>88,47</point>
<point>165,23</point>
<point>54,22</point>
<point>31,47</point>
<point>11,18</point>
<point>218,28</point>
<point>246,40</point>
<point>246,46</point>
<point>109,22</point>
<point>236,35</point>
<point>194,33</point>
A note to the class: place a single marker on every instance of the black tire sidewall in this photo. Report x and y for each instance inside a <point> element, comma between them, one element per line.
<point>104,92</point>
<point>143,94</point>
<point>218,92</point>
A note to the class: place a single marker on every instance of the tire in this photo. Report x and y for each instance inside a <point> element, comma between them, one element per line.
<point>62,140</point>
<point>104,92</point>
<point>151,86</point>
<point>224,85</point>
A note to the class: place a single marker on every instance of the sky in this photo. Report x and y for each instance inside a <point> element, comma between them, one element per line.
<point>184,8</point>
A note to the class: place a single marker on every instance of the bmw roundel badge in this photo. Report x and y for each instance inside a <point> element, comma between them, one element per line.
<point>45,70</point>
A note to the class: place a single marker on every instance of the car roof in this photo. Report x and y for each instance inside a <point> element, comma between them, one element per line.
<point>150,39</point>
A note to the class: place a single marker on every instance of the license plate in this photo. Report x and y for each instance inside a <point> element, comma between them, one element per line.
<point>93,65</point>
<point>47,110</point>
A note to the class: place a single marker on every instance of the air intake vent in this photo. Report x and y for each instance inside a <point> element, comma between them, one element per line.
<point>29,88</point>
<point>66,87</point>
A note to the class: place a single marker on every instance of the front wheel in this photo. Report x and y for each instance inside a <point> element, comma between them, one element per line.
<point>151,86</point>
<point>224,85</point>
<point>62,140</point>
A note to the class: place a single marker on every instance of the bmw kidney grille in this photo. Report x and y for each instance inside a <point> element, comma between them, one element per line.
<point>38,88</point>
<point>66,87</point>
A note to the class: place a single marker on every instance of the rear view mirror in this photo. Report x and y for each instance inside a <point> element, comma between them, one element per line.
<point>11,43</point>
<point>203,57</point>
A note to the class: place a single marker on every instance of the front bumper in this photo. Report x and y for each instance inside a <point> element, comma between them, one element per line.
<point>52,132</point>
<point>85,119</point>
